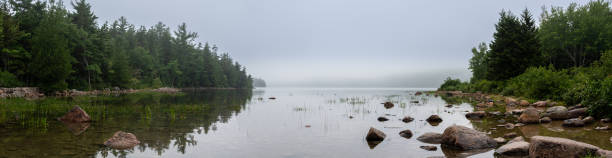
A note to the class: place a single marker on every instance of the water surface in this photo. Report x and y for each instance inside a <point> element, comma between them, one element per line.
<point>300,122</point>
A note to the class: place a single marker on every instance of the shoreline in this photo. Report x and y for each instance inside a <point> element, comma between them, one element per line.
<point>35,93</point>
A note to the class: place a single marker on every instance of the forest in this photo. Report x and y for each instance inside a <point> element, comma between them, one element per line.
<point>45,45</point>
<point>567,57</point>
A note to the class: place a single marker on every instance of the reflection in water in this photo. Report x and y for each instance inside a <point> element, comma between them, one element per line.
<point>158,120</point>
<point>300,122</point>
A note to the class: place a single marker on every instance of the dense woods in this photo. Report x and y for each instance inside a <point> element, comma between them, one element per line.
<point>567,57</point>
<point>43,44</point>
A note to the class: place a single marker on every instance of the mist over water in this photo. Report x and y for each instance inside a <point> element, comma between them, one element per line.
<point>323,43</point>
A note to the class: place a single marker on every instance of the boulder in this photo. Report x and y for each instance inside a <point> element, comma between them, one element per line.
<point>414,101</point>
<point>530,115</point>
<point>122,140</point>
<point>431,138</point>
<point>382,119</point>
<point>465,138</point>
<point>406,134</point>
<point>449,105</point>
<point>605,120</point>
<point>540,104</point>
<point>545,120</point>
<point>418,93</point>
<point>272,98</point>
<point>542,146</point>
<point>511,101</point>
<point>524,103</point>
<point>578,112</point>
<point>476,115</point>
<point>519,148</point>
<point>429,148</point>
<point>407,119</point>
<point>388,105</point>
<point>588,120</point>
<point>557,113</point>
<point>375,135</point>
<point>575,122</point>
<point>76,115</point>
<point>509,126</point>
<point>434,118</point>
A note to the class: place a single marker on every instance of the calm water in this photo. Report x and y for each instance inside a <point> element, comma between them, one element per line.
<point>231,123</point>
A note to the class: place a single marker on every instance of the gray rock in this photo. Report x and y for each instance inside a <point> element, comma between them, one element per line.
<point>465,138</point>
<point>575,122</point>
<point>520,148</point>
<point>588,120</point>
<point>382,119</point>
<point>575,113</point>
<point>545,120</point>
<point>431,138</point>
<point>407,119</point>
<point>510,135</point>
<point>542,146</point>
<point>499,140</point>
<point>476,115</point>
<point>557,113</point>
<point>530,115</point>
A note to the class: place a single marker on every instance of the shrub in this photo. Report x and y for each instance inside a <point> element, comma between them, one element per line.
<point>453,85</point>
<point>7,79</point>
<point>539,83</point>
<point>599,97</point>
<point>487,86</point>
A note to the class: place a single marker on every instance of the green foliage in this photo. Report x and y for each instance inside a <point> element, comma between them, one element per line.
<point>539,83</point>
<point>578,35</point>
<point>453,85</point>
<point>478,62</point>
<point>8,80</point>
<point>514,48</point>
<point>599,97</point>
<point>43,44</point>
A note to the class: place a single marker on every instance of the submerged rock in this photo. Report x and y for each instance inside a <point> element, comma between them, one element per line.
<point>509,126</point>
<point>557,113</point>
<point>602,128</point>
<point>588,120</point>
<point>431,138</point>
<point>434,118</point>
<point>122,140</point>
<point>406,134</point>
<point>465,138</point>
<point>407,119</point>
<point>510,135</point>
<point>605,120</point>
<point>530,115</point>
<point>429,148</point>
<point>382,119</point>
<point>388,105</point>
<point>476,115</point>
<point>542,146</point>
<point>75,115</point>
<point>545,120</point>
<point>575,122</point>
<point>375,135</point>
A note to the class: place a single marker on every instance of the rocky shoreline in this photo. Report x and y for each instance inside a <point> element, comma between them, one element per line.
<point>35,93</point>
<point>511,144</point>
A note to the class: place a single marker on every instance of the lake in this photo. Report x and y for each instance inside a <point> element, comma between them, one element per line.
<point>300,122</point>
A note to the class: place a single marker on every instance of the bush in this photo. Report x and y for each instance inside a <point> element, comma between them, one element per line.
<point>7,79</point>
<point>487,86</point>
<point>539,83</point>
<point>599,97</point>
<point>453,85</point>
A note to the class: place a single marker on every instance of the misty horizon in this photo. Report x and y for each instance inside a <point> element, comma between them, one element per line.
<point>334,43</point>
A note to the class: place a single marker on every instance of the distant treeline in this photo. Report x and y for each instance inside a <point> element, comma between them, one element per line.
<point>258,82</point>
<point>45,45</point>
<point>567,58</point>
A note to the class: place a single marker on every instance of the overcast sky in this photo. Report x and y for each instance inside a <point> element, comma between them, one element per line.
<point>401,43</point>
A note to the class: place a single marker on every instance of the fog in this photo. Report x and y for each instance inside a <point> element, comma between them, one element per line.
<point>360,43</point>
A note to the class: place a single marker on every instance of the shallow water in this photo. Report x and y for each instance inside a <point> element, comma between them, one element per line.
<point>301,122</point>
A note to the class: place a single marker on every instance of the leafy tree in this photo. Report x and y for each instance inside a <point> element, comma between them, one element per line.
<point>478,62</point>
